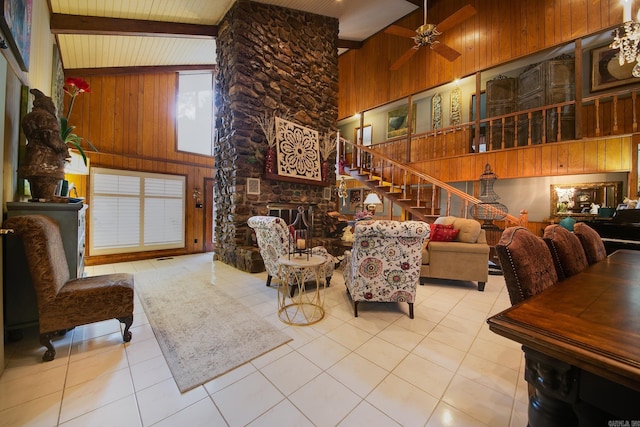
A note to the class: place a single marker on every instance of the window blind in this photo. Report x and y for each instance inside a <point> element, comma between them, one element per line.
<point>133,211</point>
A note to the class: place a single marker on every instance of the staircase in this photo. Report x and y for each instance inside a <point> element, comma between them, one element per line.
<point>417,193</point>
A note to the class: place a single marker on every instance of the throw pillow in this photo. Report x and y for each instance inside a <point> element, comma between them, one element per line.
<point>442,233</point>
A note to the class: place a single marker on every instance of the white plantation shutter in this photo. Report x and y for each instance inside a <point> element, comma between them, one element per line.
<point>133,212</point>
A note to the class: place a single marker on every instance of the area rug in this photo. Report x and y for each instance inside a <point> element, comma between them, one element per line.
<point>203,332</point>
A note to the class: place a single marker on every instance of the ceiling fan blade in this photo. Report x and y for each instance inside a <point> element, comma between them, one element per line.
<point>397,30</point>
<point>404,58</point>
<point>456,18</point>
<point>445,51</point>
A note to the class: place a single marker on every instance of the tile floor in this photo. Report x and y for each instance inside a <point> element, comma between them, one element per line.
<point>443,368</point>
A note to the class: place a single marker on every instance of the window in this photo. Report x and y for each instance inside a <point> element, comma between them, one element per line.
<point>194,113</point>
<point>134,212</point>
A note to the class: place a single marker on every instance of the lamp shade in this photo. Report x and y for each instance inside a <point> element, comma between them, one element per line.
<point>372,199</point>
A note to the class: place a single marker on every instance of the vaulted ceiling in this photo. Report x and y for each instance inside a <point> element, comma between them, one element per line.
<point>98,34</point>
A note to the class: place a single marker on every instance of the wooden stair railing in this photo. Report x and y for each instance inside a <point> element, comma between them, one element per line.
<point>414,191</point>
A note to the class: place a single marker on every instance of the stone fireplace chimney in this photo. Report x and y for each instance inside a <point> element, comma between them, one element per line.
<point>274,60</point>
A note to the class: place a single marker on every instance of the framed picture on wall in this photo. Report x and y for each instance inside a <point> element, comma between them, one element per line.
<point>253,186</point>
<point>15,22</point>
<point>397,121</point>
<point>606,71</point>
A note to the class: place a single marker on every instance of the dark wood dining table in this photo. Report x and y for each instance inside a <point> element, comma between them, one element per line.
<point>581,340</point>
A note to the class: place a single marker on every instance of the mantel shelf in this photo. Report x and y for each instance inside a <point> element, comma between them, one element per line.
<point>277,177</point>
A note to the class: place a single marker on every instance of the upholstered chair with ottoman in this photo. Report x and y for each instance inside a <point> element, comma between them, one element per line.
<point>384,264</point>
<point>566,251</point>
<point>64,304</point>
<point>274,240</point>
<point>591,242</point>
<point>457,249</point>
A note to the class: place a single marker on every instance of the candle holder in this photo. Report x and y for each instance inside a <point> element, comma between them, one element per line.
<point>300,245</point>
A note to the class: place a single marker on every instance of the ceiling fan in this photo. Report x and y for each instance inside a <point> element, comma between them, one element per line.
<point>427,35</point>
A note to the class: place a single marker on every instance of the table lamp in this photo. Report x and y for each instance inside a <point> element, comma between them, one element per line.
<point>371,201</point>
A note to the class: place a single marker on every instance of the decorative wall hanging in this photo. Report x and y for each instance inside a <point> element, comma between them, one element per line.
<point>397,121</point>
<point>455,117</point>
<point>436,111</point>
<point>15,23</point>
<point>298,152</point>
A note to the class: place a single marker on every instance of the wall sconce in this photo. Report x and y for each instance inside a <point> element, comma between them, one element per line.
<point>196,197</point>
<point>371,201</point>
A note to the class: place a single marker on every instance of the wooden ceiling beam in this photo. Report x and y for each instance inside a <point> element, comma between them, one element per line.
<point>418,3</point>
<point>349,44</point>
<point>110,71</point>
<point>95,25</point>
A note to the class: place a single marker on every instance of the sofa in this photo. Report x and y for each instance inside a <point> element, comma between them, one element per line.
<point>457,249</point>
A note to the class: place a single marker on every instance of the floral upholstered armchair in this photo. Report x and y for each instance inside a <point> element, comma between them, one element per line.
<point>384,264</point>
<point>274,240</point>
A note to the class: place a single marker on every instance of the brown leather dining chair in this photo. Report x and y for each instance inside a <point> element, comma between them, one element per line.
<point>526,263</point>
<point>591,242</point>
<point>566,251</point>
<point>64,304</point>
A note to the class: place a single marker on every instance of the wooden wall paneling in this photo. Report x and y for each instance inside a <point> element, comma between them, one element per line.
<point>107,109</point>
<point>563,159</point>
<point>578,15</point>
<point>121,108</point>
<point>575,158</point>
<point>614,153</point>
<point>590,156</point>
<point>530,163</point>
<point>501,166</point>
<point>553,23</point>
<point>547,160</point>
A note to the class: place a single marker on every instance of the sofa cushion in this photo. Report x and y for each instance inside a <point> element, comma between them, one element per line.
<point>469,230</point>
<point>567,223</point>
<point>443,233</point>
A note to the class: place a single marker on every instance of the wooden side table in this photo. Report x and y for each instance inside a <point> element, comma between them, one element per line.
<point>301,308</point>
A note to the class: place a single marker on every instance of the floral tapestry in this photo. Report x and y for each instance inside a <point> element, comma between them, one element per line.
<point>298,151</point>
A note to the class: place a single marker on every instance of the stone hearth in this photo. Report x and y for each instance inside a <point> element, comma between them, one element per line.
<point>270,59</point>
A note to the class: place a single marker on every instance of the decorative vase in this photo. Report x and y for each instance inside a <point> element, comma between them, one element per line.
<point>270,161</point>
<point>325,171</point>
<point>341,163</point>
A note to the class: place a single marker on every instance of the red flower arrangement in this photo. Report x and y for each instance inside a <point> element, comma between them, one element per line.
<point>73,86</point>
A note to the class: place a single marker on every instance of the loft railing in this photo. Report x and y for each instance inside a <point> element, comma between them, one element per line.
<point>612,113</point>
<point>415,191</point>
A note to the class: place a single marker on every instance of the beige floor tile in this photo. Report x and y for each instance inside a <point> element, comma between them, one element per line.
<point>448,416</point>
<point>440,353</point>
<point>478,401</point>
<point>405,403</point>
<point>283,414</point>
<point>201,414</point>
<point>324,352</point>
<point>247,399</point>
<point>367,415</point>
<point>349,336</point>
<point>164,399</point>
<point>358,373</point>
<point>88,368</point>
<point>39,412</point>
<point>290,372</point>
<point>150,372</point>
<point>30,387</point>
<point>324,400</point>
<point>496,376</point>
<point>424,374</point>
<point>382,353</point>
<point>121,413</point>
<point>90,395</point>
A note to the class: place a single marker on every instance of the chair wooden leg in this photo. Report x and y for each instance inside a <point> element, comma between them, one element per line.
<point>126,334</point>
<point>328,278</point>
<point>410,310</point>
<point>45,340</point>
<point>355,308</point>
<point>268,280</point>
<point>481,286</point>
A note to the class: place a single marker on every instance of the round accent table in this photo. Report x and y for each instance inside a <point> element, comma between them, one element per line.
<point>300,308</point>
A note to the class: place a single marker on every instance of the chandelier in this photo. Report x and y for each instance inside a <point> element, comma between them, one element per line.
<point>627,39</point>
